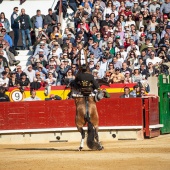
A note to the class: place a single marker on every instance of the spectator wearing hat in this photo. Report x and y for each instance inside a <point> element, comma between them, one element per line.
<point>33,97</point>
<point>49,21</point>
<point>96,50</point>
<point>152,7</point>
<point>141,40</point>
<point>37,22</point>
<point>15,26</point>
<point>91,64</point>
<point>25,26</point>
<point>117,77</point>
<point>136,8</point>
<point>127,78</point>
<point>95,74</point>
<point>126,93</point>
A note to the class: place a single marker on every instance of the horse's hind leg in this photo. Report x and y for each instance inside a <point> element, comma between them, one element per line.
<point>97,139</point>
<point>82,137</point>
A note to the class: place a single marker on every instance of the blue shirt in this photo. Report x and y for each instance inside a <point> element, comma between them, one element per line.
<point>8,39</point>
<point>39,22</point>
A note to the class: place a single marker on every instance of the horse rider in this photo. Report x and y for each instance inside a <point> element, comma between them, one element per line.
<point>85,81</point>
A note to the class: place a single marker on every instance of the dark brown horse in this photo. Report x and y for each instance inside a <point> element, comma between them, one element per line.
<point>86,113</point>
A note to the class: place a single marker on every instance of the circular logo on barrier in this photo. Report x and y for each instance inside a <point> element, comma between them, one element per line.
<point>16,95</point>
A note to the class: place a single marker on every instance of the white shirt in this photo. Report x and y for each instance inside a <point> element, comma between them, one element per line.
<point>153,61</point>
<point>32,99</point>
<point>3,81</point>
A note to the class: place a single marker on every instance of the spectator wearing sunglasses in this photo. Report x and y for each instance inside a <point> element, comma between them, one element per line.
<point>7,37</point>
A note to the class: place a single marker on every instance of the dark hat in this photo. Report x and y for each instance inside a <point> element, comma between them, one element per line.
<point>4,72</point>
<point>157,8</point>
<point>80,32</point>
<point>91,53</point>
<point>117,69</point>
<point>41,55</point>
<point>13,72</point>
<point>107,16</point>
<point>91,38</point>
<point>107,48</point>
<point>86,13</point>
<point>23,74</point>
<point>117,36</point>
<point>121,47</point>
<point>168,27</point>
<point>1,45</point>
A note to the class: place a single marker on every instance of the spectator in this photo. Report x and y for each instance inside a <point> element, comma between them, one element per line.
<point>15,26</point>
<point>6,37</point>
<point>25,26</point>
<point>3,96</point>
<point>4,81</point>
<point>30,73</point>
<point>53,97</point>
<point>117,77</point>
<point>13,82</point>
<point>126,93</point>
<point>33,97</point>
<point>49,21</point>
<point>4,21</point>
<point>136,76</point>
<point>37,22</point>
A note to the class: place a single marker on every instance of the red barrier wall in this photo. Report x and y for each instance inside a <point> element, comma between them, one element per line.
<point>58,114</point>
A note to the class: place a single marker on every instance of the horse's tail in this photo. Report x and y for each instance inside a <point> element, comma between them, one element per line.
<point>91,143</point>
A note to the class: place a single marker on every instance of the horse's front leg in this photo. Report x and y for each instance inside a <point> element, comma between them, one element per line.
<point>80,129</point>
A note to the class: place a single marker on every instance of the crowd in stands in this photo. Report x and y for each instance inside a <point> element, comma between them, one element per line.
<point>121,42</point>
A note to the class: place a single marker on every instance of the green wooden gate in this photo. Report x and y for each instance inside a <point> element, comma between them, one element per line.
<point>164,103</point>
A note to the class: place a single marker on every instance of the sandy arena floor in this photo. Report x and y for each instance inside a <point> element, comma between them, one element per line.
<point>138,155</point>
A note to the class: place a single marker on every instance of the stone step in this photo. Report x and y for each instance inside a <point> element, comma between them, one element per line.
<point>22,58</point>
<point>24,52</point>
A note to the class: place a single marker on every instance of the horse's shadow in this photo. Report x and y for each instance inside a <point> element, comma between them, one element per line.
<point>46,149</point>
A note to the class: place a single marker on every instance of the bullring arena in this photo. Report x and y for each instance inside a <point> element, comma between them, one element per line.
<point>151,154</point>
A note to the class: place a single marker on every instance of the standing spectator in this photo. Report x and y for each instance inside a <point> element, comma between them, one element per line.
<point>165,8</point>
<point>15,26</point>
<point>49,21</point>
<point>26,26</point>
<point>37,22</point>
<point>4,21</point>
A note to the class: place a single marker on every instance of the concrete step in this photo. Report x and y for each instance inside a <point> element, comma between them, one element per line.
<point>22,58</point>
<point>24,52</point>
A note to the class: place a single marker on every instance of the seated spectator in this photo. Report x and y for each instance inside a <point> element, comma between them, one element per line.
<point>127,78</point>
<point>111,68</point>
<point>53,97</point>
<point>69,77</point>
<point>117,63</point>
<point>74,69</point>
<point>7,37</point>
<point>54,33</point>
<point>4,81</point>
<point>33,97</point>
<point>151,70</point>
<point>117,77</point>
<point>95,74</point>
<point>136,76</point>
<point>126,93</point>
<point>13,82</point>
<point>30,73</point>
<point>8,71</point>
<point>36,84</point>
<point>23,82</point>
<point>3,96</point>
<point>108,77</point>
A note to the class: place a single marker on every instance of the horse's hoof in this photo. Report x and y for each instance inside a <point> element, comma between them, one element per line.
<point>80,148</point>
<point>100,148</point>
